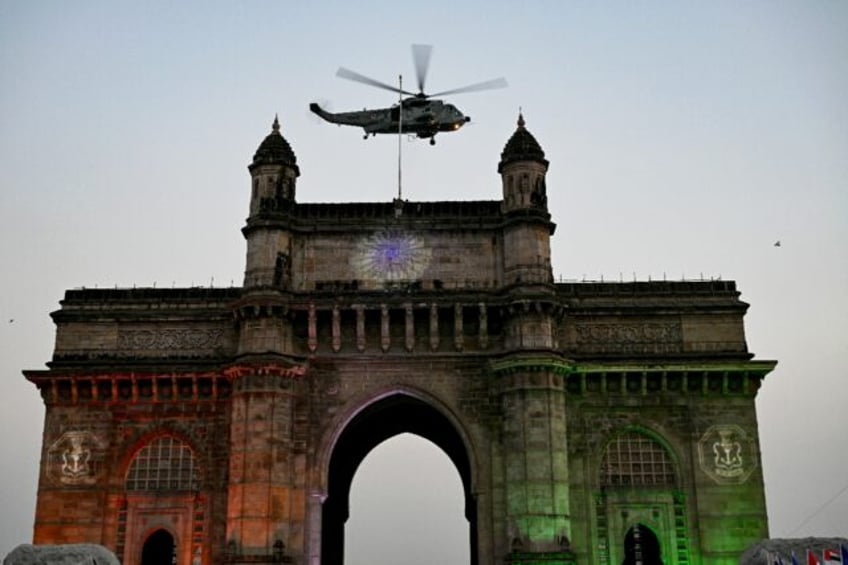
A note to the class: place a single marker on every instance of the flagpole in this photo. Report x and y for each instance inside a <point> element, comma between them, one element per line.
<point>400,131</point>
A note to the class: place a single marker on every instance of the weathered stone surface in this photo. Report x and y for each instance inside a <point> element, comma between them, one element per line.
<point>70,554</point>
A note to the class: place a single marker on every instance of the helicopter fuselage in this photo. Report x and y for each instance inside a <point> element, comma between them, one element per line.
<point>421,117</point>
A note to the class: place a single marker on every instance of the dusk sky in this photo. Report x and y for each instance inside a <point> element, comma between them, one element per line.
<point>684,138</point>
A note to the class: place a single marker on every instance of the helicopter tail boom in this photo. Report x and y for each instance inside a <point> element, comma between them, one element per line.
<point>361,119</point>
<point>315,108</point>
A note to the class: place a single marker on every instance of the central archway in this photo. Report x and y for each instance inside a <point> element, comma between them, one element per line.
<point>386,418</point>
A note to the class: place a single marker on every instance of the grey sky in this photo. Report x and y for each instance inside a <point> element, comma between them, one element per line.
<point>684,140</point>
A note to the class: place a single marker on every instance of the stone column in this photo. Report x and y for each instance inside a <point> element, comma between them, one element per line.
<point>313,530</point>
<point>535,458</point>
<point>531,384</point>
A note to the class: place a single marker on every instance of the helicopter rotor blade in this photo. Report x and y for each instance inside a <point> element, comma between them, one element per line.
<point>421,57</point>
<point>485,85</point>
<point>354,76</point>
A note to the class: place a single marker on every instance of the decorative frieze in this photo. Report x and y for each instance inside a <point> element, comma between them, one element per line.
<point>133,388</point>
<point>629,337</point>
<point>170,339</point>
<point>739,379</point>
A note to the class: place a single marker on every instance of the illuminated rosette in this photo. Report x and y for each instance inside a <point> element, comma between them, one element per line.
<point>391,256</point>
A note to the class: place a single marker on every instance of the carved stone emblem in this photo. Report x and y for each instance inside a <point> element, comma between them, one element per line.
<point>76,458</point>
<point>727,454</point>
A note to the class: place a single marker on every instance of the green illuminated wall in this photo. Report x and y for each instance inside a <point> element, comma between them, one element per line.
<point>712,508</point>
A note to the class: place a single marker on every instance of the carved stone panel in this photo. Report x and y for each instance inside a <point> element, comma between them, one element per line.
<point>170,341</point>
<point>638,337</point>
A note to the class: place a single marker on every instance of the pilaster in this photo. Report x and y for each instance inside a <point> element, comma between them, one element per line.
<point>266,506</point>
<point>535,458</point>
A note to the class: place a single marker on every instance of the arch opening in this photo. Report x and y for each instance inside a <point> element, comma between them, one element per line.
<point>380,421</point>
<point>159,549</point>
<point>641,546</point>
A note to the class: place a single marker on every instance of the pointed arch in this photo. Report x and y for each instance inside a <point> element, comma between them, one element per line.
<point>379,418</point>
<point>365,403</point>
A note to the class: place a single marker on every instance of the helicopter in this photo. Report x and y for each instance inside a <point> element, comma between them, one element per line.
<point>419,114</point>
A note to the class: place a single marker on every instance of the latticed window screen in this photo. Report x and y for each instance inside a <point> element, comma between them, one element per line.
<point>166,463</point>
<point>635,459</point>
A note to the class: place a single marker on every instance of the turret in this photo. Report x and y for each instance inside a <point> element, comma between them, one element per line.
<point>266,378</point>
<point>273,176</point>
<point>529,378</point>
<point>522,169</point>
<point>527,250</point>
<point>265,328</point>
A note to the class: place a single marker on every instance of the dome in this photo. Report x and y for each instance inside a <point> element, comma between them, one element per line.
<point>522,146</point>
<point>275,150</point>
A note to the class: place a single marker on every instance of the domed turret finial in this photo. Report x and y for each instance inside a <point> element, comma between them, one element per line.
<point>522,146</point>
<point>275,150</point>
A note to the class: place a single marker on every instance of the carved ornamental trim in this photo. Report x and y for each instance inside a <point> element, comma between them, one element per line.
<point>636,337</point>
<point>169,339</point>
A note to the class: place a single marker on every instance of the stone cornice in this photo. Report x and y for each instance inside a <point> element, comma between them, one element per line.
<point>755,367</point>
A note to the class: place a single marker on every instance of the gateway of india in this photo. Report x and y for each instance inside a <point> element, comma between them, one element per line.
<point>591,423</point>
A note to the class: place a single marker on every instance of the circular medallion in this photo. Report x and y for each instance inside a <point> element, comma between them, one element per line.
<point>391,256</point>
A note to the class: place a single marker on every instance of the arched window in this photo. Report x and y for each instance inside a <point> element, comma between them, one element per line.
<point>165,464</point>
<point>634,459</point>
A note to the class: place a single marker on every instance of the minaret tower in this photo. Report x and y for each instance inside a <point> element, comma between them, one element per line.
<point>530,378</point>
<point>527,250</point>
<point>273,175</point>
<point>268,275</point>
<point>263,525</point>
